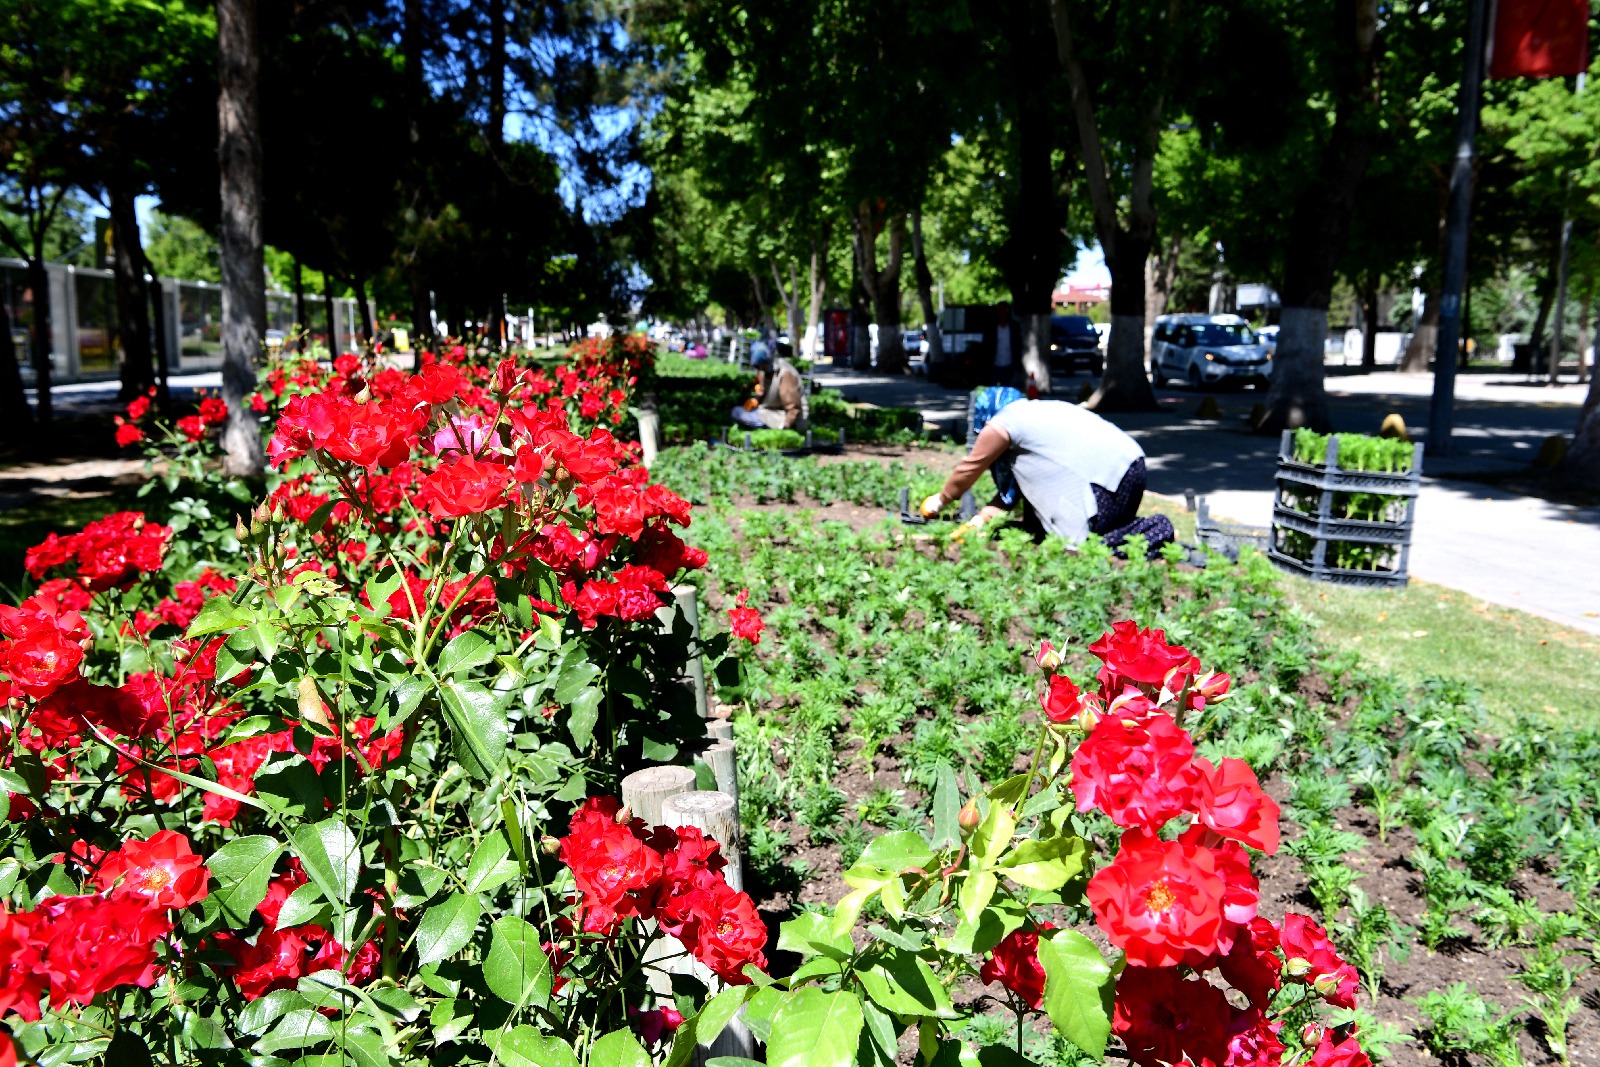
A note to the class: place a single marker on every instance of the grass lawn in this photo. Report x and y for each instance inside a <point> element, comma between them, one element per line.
<point>1525,665</point>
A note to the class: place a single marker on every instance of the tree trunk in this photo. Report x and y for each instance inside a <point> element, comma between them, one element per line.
<point>790,295</point>
<point>133,303</point>
<point>930,317</point>
<point>494,329</point>
<point>364,308</point>
<point>883,286</point>
<point>1584,360</point>
<point>1582,462</point>
<point>1369,323</point>
<point>1424,339</point>
<point>15,416</point>
<point>39,282</point>
<point>301,323</point>
<point>1318,228</point>
<point>1160,271</point>
<point>331,314</point>
<point>1124,386</point>
<point>819,284</point>
<point>1032,254</point>
<point>244,297</point>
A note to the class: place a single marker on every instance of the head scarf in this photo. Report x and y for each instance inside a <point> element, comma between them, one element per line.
<point>986,407</point>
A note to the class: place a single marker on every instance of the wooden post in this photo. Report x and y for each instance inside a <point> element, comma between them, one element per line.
<point>686,601</point>
<point>724,764</point>
<point>646,791</point>
<point>717,816</point>
<point>649,436</point>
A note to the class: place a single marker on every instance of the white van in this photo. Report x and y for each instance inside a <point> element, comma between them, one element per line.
<point>1206,350</point>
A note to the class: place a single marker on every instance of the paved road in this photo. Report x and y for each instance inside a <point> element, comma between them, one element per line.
<point>1506,548</point>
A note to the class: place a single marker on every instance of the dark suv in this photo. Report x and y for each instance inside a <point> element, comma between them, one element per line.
<point>1074,345</point>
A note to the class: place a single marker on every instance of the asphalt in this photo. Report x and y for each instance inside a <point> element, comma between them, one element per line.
<point>1501,546</point>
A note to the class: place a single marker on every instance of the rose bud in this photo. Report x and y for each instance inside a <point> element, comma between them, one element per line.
<point>969,817</point>
<point>550,845</point>
<point>1049,657</point>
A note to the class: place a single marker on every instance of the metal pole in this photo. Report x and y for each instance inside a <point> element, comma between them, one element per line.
<point>1561,303</point>
<point>1441,416</point>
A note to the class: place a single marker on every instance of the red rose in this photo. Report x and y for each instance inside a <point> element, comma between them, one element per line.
<point>1312,959</point>
<point>1063,701</point>
<point>192,427</point>
<point>654,1026</point>
<point>213,411</point>
<point>1253,966</point>
<point>1138,771</point>
<point>138,407</point>
<point>41,661</point>
<point>1163,1017</point>
<point>1014,963</point>
<point>745,622</point>
<point>162,872</point>
<point>1253,1041</point>
<point>661,550</point>
<point>128,434</point>
<point>727,933</point>
<point>115,710</point>
<point>1159,901</point>
<point>276,961</point>
<point>94,944</point>
<point>467,486</point>
<point>1241,893</point>
<point>1346,1053</point>
<point>1139,657</point>
<point>613,867</point>
<point>1229,801</point>
<point>279,888</point>
<point>22,980</point>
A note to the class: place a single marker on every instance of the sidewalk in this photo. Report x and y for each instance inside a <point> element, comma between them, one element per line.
<point>1518,551</point>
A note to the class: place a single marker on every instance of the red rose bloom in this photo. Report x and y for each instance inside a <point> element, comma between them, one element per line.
<point>162,872</point>
<point>1137,771</point>
<point>1253,966</point>
<point>1163,1017</point>
<point>22,980</point>
<point>43,660</point>
<point>1063,701</point>
<point>94,944</point>
<point>116,711</point>
<point>467,486</point>
<point>745,622</point>
<point>1138,657</point>
<point>1312,959</point>
<point>728,932</point>
<point>1014,963</point>
<point>128,434</point>
<point>613,866</point>
<point>1346,1053</point>
<point>1229,801</point>
<point>192,427</point>
<point>276,961</point>
<point>1159,901</point>
<point>1253,1041</point>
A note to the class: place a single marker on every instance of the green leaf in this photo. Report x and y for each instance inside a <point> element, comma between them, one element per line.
<point>585,713</point>
<point>733,1061</point>
<point>299,1028</point>
<point>242,869</point>
<point>290,784</point>
<point>811,933</point>
<point>450,1019</point>
<point>256,1016</point>
<point>1046,865</point>
<point>301,906</point>
<point>946,809</point>
<point>976,892</point>
<point>576,673</point>
<point>815,1029</point>
<point>478,729</point>
<point>407,694</point>
<point>526,1047</point>
<point>491,865</point>
<point>13,782</point>
<point>127,1049</point>
<point>218,614</point>
<point>896,852</point>
<point>618,1049</point>
<point>719,1012</point>
<point>331,857</point>
<point>464,652</point>
<point>446,927</point>
<point>1078,989</point>
<point>517,970</point>
<point>905,985</point>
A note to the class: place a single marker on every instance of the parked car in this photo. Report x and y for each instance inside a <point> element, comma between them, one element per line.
<point>913,342</point>
<point>1074,345</point>
<point>1206,350</point>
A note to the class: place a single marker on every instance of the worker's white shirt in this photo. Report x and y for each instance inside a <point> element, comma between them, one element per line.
<point>1058,450</point>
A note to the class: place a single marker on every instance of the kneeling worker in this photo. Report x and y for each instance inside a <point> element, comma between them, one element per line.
<point>780,401</point>
<point>1074,472</point>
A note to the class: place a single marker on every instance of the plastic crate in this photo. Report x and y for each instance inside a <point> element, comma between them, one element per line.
<point>1323,528</point>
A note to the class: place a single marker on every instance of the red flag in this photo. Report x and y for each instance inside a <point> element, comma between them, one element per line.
<point>1540,38</point>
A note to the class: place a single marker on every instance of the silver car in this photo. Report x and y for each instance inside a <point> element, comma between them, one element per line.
<point>1206,350</point>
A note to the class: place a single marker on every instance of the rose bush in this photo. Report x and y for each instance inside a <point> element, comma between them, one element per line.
<point>336,777</point>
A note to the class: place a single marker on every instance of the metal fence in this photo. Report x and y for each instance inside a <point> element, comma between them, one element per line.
<point>84,340</point>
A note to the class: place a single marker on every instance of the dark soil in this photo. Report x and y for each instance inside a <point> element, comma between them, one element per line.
<point>1387,878</point>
